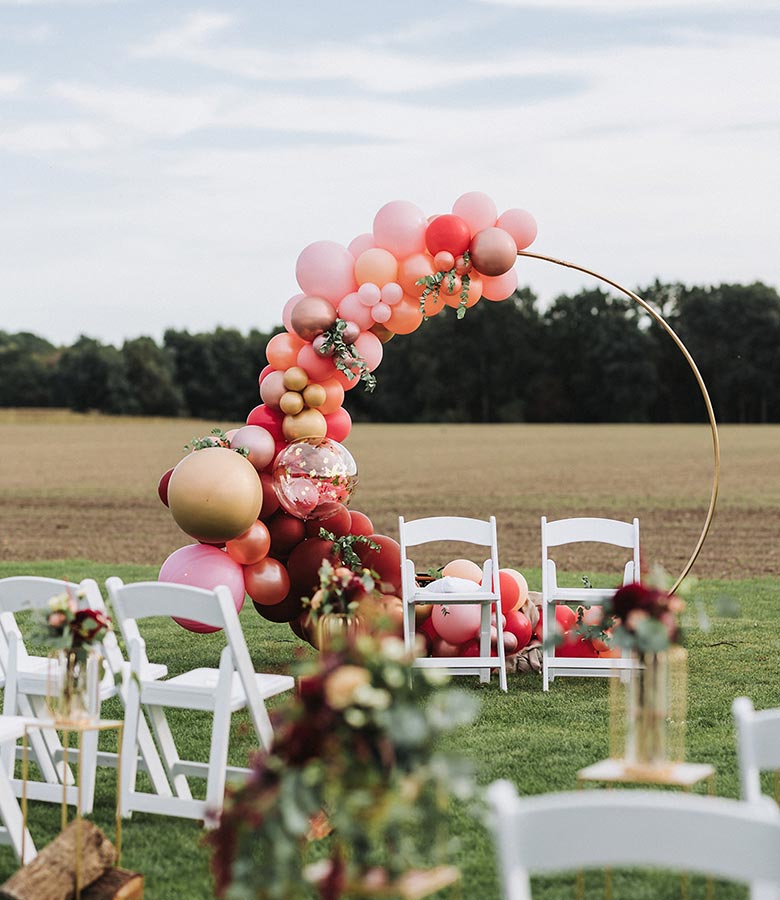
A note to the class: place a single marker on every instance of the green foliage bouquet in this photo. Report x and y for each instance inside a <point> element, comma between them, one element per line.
<point>355,749</point>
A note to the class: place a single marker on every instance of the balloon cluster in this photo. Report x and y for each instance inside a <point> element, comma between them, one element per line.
<point>255,499</point>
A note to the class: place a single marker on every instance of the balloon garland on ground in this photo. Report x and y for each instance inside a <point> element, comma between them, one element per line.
<point>268,502</point>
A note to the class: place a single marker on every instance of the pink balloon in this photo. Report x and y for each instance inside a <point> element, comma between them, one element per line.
<point>258,441</point>
<point>353,310</point>
<point>339,425</point>
<point>369,294</point>
<point>369,347</point>
<point>319,368</point>
<point>477,209</point>
<point>520,224</point>
<point>203,566</point>
<point>381,312</point>
<point>326,269</point>
<point>287,311</point>
<point>272,388</point>
<point>399,227</point>
<point>360,243</point>
<point>456,622</point>
<point>500,287</point>
<point>392,293</point>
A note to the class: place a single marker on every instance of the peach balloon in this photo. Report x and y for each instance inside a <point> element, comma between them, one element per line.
<point>501,287</point>
<point>405,317</point>
<point>522,584</point>
<point>521,225</point>
<point>463,568</point>
<point>251,546</point>
<point>282,350</point>
<point>477,209</point>
<point>434,304</point>
<point>377,266</point>
<point>419,265</point>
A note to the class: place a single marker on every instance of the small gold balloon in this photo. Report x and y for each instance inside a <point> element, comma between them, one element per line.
<point>314,395</point>
<point>291,403</point>
<point>295,378</point>
<point>309,423</point>
<point>384,334</point>
<point>215,494</point>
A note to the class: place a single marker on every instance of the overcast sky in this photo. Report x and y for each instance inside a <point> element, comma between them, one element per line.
<point>162,164</point>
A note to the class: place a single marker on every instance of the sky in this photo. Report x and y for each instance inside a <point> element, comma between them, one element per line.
<point>162,165</point>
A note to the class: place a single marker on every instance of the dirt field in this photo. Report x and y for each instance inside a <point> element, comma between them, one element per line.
<point>85,486</point>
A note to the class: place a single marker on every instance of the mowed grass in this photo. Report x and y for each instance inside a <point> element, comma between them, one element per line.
<point>97,478</point>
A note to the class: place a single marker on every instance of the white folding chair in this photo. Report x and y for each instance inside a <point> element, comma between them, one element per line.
<point>220,692</point>
<point>28,682</point>
<point>758,747</point>
<point>566,832</point>
<point>13,831</point>
<point>572,531</point>
<point>488,595</point>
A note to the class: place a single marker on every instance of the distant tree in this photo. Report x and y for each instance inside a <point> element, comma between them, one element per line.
<point>91,376</point>
<point>26,370</point>
<point>150,374</point>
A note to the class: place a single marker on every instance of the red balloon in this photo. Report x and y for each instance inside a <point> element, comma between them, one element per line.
<point>339,425</point>
<point>338,524</point>
<point>267,581</point>
<point>448,232</point>
<point>270,419</point>
<point>510,591</point>
<point>266,371</point>
<point>270,500</point>
<point>576,647</point>
<point>565,617</point>
<point>426,629</point>
<point>360,523</point>
<point>519,625</point>
<point>386,561</point>
<point>162,487</point>
<point>286,533</point>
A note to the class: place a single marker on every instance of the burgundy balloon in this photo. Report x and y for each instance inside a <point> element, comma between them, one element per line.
<point>312,316</point>
<point>386,561</point>
<point>339,524</point>
<point>286,532</point>
<point>270,500</point>
<point>288,610</point>
<point>162,487</point>
<point>360,523</point>
<point>492,251</point>
<point>305,561</point>
<point>258,441</point>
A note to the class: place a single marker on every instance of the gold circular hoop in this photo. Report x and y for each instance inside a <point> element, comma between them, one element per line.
<point>699,380</point>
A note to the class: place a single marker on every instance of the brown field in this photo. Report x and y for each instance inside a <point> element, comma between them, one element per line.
<point>85,486</point>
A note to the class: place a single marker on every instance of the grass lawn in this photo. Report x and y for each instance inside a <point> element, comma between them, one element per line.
<point>538,741</point>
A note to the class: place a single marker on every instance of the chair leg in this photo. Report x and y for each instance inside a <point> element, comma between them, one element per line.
<point>14,822</point>
<point>88,774</point>
<point>484,641</point>
<point>170,754</point>
<point>129,771</point>
<point>501,649</point>
<point>151,758</point>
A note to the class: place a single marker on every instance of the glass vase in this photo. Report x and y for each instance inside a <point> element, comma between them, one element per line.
<point>72,687</point>
<point>338,631</point>
<point>647,710</point>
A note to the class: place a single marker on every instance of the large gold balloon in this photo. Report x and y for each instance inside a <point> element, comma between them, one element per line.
<point>309,423</point>
<point>312,316</point>
<point>215,494</point>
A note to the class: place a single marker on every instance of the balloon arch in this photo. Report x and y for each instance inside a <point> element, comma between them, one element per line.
<point>258,513</point>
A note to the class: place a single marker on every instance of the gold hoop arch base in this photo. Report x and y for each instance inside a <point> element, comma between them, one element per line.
<point>654,314</point>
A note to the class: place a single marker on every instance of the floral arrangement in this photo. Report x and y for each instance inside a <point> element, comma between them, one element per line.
<point>215,438</point>
<point>353,779</point>
<point>341,590</point>
<point>66,627</point>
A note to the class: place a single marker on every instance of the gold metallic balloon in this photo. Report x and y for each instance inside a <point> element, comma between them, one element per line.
<point>314,395</point>
<point>291,403</point>
<point>215,494</point>
<point>492,251</point>
<point>309,423</point>
<point>312,316</point>
<point>384,334</point>
<point>295,378</point>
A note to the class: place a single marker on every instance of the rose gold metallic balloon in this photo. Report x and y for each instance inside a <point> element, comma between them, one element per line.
<point>215,494</point>
<point>309,423</point>
<point>350,333</point>
<point>312,316</point>
<point>267,582</point>
<point>251,546</point>
<point>492,251</point>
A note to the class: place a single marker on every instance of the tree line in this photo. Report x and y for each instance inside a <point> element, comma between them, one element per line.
<point>588,357</point>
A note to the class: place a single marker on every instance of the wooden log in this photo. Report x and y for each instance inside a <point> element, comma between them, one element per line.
<point>116,884</point>
<point>52,874</point>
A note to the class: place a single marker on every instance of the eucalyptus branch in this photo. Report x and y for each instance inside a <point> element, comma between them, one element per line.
<point>345,357</point>
<point>215,438</point>
<point>344,547</point>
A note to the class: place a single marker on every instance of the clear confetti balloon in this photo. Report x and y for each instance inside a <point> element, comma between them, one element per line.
<point>313,477</point>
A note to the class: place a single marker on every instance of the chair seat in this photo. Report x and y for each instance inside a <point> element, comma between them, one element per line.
<point>12,727</point>
<point>35,672</point>
<point>587,596</point>
<point>196,689</point>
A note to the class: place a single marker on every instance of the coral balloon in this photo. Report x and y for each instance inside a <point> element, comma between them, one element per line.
<point>282,350</point>
<point>202,566</point>
<point>477,209</point>
<point>326,269</point>
<point>318,368</point>
<point>312,477</point>
<point>314,315</point>
<point>521,583</point>
<point>501,287</point>
<point>270,419</point>
<point>493,252</point>
<point>267,581</point>
<point>310,423</point>
<point>258,441</point>
<point>251,546</point>
<point>449,233</point>
<point>215,494</point>
<point>510,591</point>
<point>399,227</point>
<point>334,396</point>
<point>456,622</point>
<point>339,425</point>
<point>521,225</point>
<point>411,270</point>
<point>377,266</point>
<point>565,618</point>
<point>405,316</point>
<point>463,568</point>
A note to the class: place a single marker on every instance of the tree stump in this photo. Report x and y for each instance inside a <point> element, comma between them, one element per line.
<point>52,874</point>
<point>116,884</point>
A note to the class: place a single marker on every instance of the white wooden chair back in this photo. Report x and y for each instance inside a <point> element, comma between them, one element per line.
<point>574,531</point>
<point>455,529</point>
<point>758,746</point>
<point>713,836</point>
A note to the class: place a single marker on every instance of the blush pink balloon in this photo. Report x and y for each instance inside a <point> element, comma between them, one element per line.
<point>353,310</point>
<point>477,209</point>
<point>326,269</point>
<point>399,227</point>
<point>369,347</point>
<point>258,441</point>
<point>287,311</point>
<point>392,293</point>
<point>381,312</point>
<point>521,225</point>
<point>272,388</point>
<point>203,566</point>
<point>360,243</point>
<point>369,294</point>
<point>318,368</point>
<point>500,287</point>
<point>456,622</point>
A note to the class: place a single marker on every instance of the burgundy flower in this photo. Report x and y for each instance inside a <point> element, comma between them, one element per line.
<point>87,624</point>
<point>632,597</point>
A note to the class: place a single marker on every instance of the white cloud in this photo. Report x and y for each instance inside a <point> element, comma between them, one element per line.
<point>52,137</point>
<point>635,6</point>
<point>11,84</point>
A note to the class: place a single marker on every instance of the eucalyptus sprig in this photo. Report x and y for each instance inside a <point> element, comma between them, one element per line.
<point>344,547</point>
<point>215,438</point>
<point>345,357</point>
<point>431,284</point>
